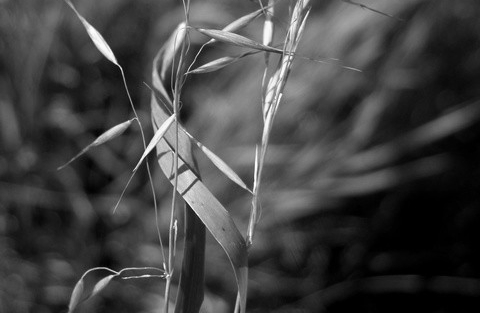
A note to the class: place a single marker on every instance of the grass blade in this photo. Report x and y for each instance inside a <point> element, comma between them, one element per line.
<point>77,296</point>
<point>210,211</point>
<point>96,37</point>
<point>110,134</point>
<point>237,40</point>
<point>220,164</point>
<point>171,47</point>
<point>219,63</point>
<point>102,283</point>
<point>85,288</point>
<point>363,6</point>
<point>243,21</point>
<point>156,138</point>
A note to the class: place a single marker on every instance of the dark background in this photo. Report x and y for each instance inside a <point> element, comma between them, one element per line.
<point>364,209</point>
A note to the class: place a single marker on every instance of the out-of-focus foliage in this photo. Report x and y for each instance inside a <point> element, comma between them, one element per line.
<point>345,225</point>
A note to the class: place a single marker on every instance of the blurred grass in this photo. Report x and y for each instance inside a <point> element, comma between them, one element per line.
<point>322,230</point>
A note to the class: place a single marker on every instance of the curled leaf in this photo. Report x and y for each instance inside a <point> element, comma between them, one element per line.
<point>171,47</point>
<point>156,138</point>
<point>86,288</point>
<point>110,134</point>
<point>96,37</point>
<point>210,211</point>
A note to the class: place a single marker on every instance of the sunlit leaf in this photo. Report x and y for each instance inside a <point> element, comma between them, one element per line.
<point>210,211</point>
<point>268,26</point>
<point>219,63</point>
<point>110,134</point>
<point>96,37</point>
<point>156,138</point>
<point>243,21</point>
<point>84,289</point>
<point>77,296</point>
<point>220,164</point>
<point>171,47</point>
<point>237,40</point>
<point>101,284</point>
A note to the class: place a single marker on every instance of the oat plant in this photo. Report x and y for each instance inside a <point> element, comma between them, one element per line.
<point>174,144</point>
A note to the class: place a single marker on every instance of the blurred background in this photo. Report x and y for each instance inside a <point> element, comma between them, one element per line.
<point>371,190</point>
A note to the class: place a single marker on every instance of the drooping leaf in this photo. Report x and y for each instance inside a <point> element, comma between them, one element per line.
<point>243,21</point>
<point>110,134</point>
<point>96,37</point>
<point>219,63</point>
<point>156,138</point>
<point>220,164</point>
<point>210,211</point>
<point>77,296</point>
<point>171,48</point>
<point>237,40</point>
<point>86,288</point>
<point>102,283</point>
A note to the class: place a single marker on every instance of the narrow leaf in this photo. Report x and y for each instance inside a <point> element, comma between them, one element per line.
<point>243,21</point>
<point>171,47</point>
<point>96,37</point>
<point>110,134</point>
<point>237,40</point>
<point>220,164</point>
<point>84,290</point>
<point>77,296</point>
<point>102,283</point>
<point>210,211</point>
<point>156,138</point>
<point>363,6</point>
<point>219,63</point>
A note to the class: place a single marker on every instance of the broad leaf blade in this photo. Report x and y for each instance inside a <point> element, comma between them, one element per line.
<point>201,200</point>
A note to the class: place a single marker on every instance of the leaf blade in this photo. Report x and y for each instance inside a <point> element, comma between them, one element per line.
<point>156,138</point>
<point>220,164</point>
<point>220,63</point>
<point>210,211</point>
<point>105,137</point>
<point>82,292</point>
<point>237,40</point>
<point>77,296</point>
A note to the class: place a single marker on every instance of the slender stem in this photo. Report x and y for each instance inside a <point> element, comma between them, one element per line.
<point>152,187</point>
<point>176,107</point>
